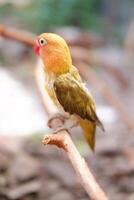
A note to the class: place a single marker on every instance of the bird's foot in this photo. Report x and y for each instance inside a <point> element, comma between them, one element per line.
<point>63,118</point>
<point>59,129</point>
<point>65,128</point>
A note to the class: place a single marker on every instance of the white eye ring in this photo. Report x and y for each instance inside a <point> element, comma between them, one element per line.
<point>42,41</point>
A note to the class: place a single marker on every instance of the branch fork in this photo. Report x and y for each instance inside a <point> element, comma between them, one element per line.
<point>58,139</point>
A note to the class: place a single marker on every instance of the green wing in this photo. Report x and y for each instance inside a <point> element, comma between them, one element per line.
<point>74,98</point>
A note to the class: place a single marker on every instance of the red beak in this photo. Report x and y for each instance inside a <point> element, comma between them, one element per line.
<point>36,49</point>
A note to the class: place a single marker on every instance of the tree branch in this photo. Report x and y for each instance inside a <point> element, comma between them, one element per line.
<point>22,36</point>
<point>83,39</point>
<point>63,140</point>
<point>46,101</point>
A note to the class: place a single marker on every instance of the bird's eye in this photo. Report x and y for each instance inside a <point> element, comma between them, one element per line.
<point>42,41</point>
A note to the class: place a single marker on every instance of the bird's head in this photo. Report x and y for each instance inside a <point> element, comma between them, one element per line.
<point>54,53</point>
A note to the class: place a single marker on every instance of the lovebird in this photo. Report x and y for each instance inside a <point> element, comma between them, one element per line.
<point>65,86</point>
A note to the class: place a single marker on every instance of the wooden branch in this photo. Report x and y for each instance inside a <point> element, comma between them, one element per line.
<point>63,140</point>
<point>39,79</point>
<point>91,77</point>
<point>22,36</point>
<point>86,40</point>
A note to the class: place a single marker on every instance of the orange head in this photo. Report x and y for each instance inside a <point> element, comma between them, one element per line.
<point>54,53</point>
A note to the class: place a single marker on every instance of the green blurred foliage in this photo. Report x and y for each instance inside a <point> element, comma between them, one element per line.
<point>47,14</point>
<point>41,15</point>
<point>5,10</point>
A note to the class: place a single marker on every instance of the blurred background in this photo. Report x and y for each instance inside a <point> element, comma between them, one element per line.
<point>100,34</point>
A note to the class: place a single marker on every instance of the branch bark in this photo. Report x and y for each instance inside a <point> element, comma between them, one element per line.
<point>85,40</point>
<point>46,101</point>
<point>22,36</point>
<point>63,140</point>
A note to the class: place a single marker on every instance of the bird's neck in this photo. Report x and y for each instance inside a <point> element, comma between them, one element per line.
<point>57,61</point>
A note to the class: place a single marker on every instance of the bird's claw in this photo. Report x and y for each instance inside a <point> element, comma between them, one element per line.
<point>56,116</point>
<point>59,129</point>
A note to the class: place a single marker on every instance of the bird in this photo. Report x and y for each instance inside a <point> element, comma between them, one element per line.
<point>65,85</point>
